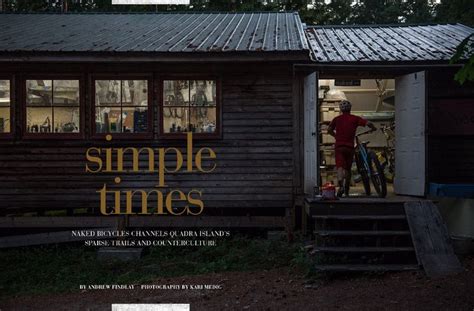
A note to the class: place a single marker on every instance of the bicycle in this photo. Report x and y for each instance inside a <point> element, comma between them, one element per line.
<point>387,155</point>
<point>369,167</point>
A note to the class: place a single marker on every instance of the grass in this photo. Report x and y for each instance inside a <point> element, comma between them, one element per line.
<point>59,268</point>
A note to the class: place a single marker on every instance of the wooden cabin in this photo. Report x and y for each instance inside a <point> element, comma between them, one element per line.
<point>431,111</point>
<point>245,85</point>
<point>69,80</point>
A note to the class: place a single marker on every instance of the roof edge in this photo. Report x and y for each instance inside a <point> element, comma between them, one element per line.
<point>146,13</point>
<point>164,57</point>
<point>385,25</point>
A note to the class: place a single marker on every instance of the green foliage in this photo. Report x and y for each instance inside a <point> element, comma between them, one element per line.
<point>465,50</point>
<point>321,13</point>
<point>455,11</point>
<point>55,269</point>
<point>378,12</point>
<point>29,6</point>
<point>340,11</point>
<point>418,11</point>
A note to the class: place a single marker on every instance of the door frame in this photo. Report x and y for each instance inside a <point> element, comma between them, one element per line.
<point>388,72</point>
<point>311,133</point>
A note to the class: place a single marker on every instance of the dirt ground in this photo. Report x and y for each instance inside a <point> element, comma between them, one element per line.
<point>281,290</point>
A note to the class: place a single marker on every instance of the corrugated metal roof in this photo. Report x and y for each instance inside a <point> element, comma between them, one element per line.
<point>385,43</point>
<point>161,32</point>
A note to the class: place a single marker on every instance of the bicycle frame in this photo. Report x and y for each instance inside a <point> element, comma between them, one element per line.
<point>388,150</point>
<point>361,149</point>
<point>370,168</point>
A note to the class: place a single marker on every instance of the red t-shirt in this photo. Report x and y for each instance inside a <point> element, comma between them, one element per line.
<point>345,127</point>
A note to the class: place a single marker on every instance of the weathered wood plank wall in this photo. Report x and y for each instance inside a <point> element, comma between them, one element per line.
<point>255,166</point>
<point>450,124</point>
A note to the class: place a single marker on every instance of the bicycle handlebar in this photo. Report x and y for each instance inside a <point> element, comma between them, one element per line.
<point>387,127</point>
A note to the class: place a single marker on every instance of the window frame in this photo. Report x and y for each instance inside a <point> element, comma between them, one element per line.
<point>11,133</point>
<point>150,113</point>
<point>197,136</point>
<point>352,83</point>
<point>52,135</point>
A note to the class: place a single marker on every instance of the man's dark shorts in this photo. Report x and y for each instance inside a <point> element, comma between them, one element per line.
<point>344,156</point>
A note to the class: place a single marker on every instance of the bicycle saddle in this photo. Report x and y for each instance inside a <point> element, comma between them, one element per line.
<point>365,142</point>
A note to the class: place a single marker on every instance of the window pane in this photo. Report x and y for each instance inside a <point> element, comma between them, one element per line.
<point>66,120</point>
<point>108,119</point>
<point>66,92</point>
<point>135,93</point>
<point>4,119</point>
<point>38,120</point>
<point>175,119</point>
<point>38,92</point>
<point>4,93</point>
<point>135,120</point>
<point>203,120</point>
<point>176,92</point>
<point>203,93</point>
<point>107,92</point>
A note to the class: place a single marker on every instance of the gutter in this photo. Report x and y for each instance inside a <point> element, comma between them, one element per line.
<point>360,65</point>
<point>87,57</point>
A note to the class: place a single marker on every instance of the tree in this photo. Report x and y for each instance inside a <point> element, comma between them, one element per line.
<point>463,51</point>
<point>340,11</point>
<point>377,12</point>
<point>317,15</point>
<point>29,6</point>
<point>222,5</point>
<point>418,11</point>
<point>321,13</point>
<point>455,11</point>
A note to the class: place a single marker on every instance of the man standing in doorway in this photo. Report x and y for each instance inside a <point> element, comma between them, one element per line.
<point>343,129</point>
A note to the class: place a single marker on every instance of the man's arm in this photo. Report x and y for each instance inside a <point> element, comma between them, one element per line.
<point>331,129</point>
<point>371,125</point>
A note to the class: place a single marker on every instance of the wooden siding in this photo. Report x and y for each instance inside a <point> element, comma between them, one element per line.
<point>255,166</point>
<point>450,152</point>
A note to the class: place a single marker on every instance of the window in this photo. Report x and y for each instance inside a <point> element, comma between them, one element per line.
<point>52,106</point>
<point>121,106</point>
<point>346,82</point>
<point>5,107</point>
<point>189,106</point>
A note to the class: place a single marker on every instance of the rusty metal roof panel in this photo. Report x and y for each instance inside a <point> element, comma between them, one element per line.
<point>385,43</point>
<point>160,32</point>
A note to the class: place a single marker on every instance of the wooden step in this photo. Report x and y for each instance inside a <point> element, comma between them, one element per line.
<point>363,268</point>
<point>361,233</point>
<point>360,217</point>
<point>336,249</point>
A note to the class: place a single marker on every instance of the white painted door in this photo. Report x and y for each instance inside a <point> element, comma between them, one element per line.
<point>410,134</point>
<point>310,133</point>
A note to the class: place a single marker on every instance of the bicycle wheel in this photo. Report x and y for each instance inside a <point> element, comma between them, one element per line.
<point>386,166</point>
<point>388,174</point>
<point>377,175</point>
<point>363,173</point>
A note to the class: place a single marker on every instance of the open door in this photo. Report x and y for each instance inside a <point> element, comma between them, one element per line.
<point>410,134</point>
<point>310,133</point>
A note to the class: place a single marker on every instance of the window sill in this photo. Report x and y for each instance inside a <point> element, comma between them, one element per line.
<point>196,136</point>
<point>53,136</point>
<point>123,136</point>
<point>6,136</point>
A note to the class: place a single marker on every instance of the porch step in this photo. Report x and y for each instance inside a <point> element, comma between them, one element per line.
<point>366,268</point>
<point>359,217</point>
<point>336,249</point>
<point>361,233</point>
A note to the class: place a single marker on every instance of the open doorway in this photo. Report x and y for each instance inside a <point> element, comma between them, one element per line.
<point>373,100</point>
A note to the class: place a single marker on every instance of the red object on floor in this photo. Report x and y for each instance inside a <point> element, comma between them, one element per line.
<point>328,191</point>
